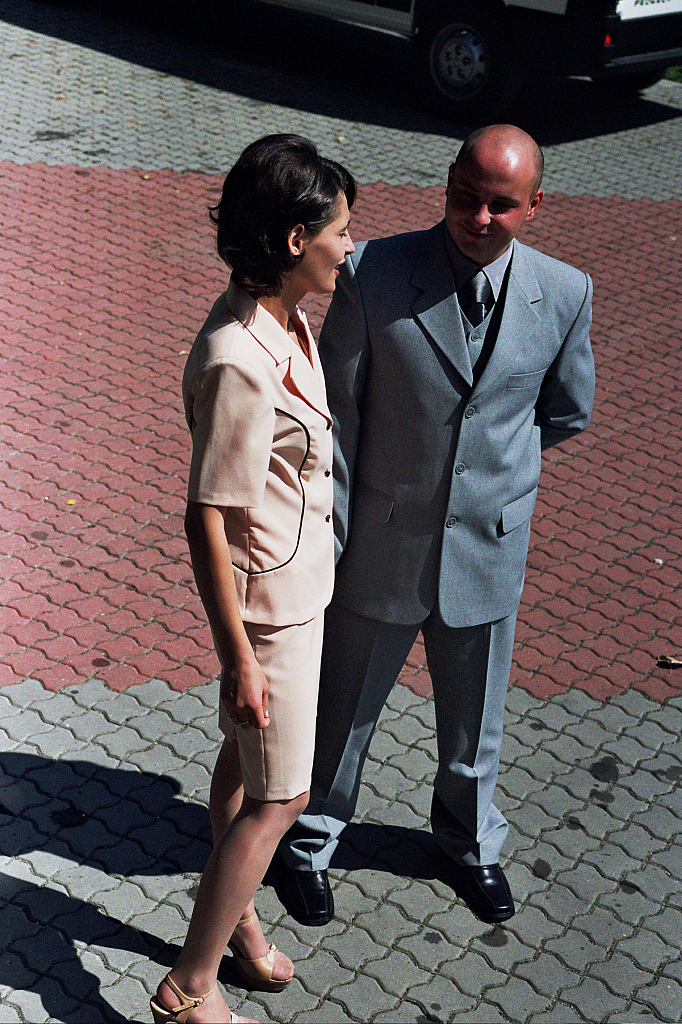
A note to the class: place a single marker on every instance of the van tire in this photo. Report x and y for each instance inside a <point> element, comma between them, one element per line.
<point>466,68</point>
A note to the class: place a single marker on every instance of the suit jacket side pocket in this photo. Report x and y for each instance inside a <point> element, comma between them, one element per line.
<point>372,503</point>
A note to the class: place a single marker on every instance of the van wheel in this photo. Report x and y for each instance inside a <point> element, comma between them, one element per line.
<point>469,71</point>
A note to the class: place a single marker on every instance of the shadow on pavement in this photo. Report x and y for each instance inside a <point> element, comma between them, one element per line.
<point>118,821</point>
<point>312,64</point>
<point>41,926</point>
<point>128,822</point>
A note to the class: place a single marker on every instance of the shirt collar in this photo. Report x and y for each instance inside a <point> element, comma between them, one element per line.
<point>463,268</point>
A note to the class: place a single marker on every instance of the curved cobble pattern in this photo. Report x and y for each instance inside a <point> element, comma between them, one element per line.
<point>117,121</point>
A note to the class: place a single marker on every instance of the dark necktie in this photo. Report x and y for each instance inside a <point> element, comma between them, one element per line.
<point>476,298</point>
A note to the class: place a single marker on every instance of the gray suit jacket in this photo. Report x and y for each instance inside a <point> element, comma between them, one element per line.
<point>436,477</point>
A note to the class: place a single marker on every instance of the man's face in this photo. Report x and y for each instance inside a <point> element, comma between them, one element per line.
<point>489,197</point>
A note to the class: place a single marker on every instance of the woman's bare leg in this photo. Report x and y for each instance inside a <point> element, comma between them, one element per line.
<point>227,793</point>
<point>232,875</point>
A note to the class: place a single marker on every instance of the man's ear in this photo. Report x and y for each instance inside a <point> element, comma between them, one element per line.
<point>296,240</point>
<point>534,203</point>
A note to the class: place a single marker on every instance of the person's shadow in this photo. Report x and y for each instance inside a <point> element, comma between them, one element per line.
<point>123,823</point>
<point>118,821</point>
<point>42,926</point>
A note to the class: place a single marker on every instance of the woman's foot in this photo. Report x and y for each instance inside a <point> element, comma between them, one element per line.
<point>212,1010</point>
<point>250,943</point>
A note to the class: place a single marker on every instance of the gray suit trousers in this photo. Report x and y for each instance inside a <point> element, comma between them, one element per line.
<point>361,660</point>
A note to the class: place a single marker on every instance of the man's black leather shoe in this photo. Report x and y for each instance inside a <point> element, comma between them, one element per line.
<point>306,895</point>
<point>485,890</point>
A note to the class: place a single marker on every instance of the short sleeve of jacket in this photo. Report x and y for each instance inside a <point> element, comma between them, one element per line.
<point>232,417</point>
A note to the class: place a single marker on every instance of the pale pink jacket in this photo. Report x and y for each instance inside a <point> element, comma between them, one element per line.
<point>262,448</point>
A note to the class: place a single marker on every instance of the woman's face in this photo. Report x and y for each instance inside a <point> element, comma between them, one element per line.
<point>324,253</point>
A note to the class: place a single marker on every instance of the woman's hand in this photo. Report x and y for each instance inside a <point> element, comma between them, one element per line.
<point>244,691</point>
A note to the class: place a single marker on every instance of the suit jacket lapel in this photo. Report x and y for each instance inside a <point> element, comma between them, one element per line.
<point>306,378</point>
<point>298,375</point>
<point>437,308</point>
<point>520,317</point>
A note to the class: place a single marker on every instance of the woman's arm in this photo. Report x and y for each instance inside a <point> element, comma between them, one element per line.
<point>243,684</point>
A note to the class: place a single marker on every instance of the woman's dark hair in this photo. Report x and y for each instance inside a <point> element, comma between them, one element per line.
<point>279,181</point>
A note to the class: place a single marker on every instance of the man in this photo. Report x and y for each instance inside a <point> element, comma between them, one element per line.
<point>452,357</point>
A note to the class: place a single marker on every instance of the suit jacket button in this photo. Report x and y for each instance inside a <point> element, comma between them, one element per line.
<point>452,521</point>
<point>469,412</point>
<point>460,468</point>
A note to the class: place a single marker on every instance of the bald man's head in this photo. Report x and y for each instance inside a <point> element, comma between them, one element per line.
<point>493,190</point>
<point>518,146</point>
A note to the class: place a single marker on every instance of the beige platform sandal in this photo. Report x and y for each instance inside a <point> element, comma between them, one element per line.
<point>257,973</point>
<point>180,1013</point>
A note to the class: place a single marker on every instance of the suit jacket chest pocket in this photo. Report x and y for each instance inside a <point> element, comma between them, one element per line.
<point>521,381</point>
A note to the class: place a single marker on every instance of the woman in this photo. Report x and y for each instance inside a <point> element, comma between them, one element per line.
<point>258,524</point>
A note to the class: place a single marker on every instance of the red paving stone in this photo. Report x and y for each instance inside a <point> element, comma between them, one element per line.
<point>106,277</point>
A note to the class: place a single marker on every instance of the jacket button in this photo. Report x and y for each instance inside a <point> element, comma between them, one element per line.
<point>452,521</point>
<point>469,412</point>
<point>327,518</point>
<point>460,468</point>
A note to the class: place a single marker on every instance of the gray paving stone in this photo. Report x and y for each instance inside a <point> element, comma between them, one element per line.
<point>26,693</point>
<point>441,996</point>
<point>362,992</point>
<point>604,926</point>
<point>542,765</point>
<point>86,725</point>
<point>361,895</point>
<point>484,1013</point>
<point>659,821</point>
<point>548,975</point>
<point>517,999</point>
<point>408,729</point>
<point>561,1013</point>
<point>396,973</point>
<point>406,1013</point>
<point>531,926</point>
<point>89,692</point>
<point>418,904</point>
<point>667,925</point>
<point>472,973</point>
<point>329,1012</point>
<point>593,999</point>
<point>416,763</point>
<point>632,1014</point>
<point>9,1015</point>
<point>353,948</point>
<point>322,973</point>
<point>127,996</point>
<point>47,862</point>
<point>27,726</point>
<point>29,1006</point>
<point>620,974</point>
<point>648,950</point>
<point>124,902</point>
<point>558,903</point>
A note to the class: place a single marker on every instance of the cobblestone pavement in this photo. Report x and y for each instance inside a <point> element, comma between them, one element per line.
<point>107,723</point>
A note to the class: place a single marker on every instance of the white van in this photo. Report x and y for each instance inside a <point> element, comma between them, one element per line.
<point>473,51</point>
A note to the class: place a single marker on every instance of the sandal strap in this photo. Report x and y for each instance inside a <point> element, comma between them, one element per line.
<point>188,1002</point>
<point>245,920</point>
